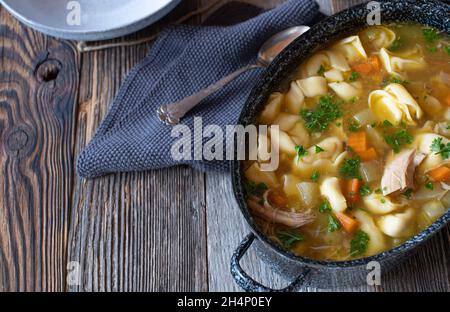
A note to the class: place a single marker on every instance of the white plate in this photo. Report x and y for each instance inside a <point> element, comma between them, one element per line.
<point>98,19</point>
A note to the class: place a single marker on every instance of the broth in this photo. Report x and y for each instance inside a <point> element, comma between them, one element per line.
<point>364,149</point>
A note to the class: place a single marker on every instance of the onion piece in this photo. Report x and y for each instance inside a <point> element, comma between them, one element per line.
<point>308,193</point>
<point>371,171</point>
<point>364,117</point>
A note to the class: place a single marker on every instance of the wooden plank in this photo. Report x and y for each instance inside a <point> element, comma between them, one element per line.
<point>38,89</point>
<point>134,232</point>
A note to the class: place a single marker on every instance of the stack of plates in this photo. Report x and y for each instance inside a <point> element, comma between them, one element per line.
<point>88,19</point>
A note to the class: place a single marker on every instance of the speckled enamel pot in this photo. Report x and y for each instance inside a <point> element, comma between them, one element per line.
<point>303,271</point>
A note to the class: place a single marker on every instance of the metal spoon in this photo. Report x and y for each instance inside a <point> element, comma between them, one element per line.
<point>172,113</point>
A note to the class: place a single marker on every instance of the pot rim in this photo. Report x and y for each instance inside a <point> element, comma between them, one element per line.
<point>272,76</point>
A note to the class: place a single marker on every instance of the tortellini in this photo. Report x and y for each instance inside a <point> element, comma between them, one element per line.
<point>255,174</point>
<point>352,49</point>
<point>378,204</point>
<point>398,224</point>
<point>394,104</point>
<point>331,190</point>
<point>399,64</point>
<point>377,241</point>
<point>272,108</point>
<point>346,90</point>
<point>313,86</point>
<point>380,36</point>
<point>294,98</point>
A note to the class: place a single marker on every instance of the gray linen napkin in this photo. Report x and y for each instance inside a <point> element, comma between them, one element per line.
<point>183,60</point>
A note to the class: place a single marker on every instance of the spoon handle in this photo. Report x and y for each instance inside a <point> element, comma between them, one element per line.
<point>172,113</point>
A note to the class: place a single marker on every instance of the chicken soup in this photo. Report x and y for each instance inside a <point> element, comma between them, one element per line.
<point>363,134</point>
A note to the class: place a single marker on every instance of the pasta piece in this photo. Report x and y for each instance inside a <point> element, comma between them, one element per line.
<point>423,142</point>
<point>378,204</point>
<point>431,105</point>
<point>334,75</point>
<point>399,64</point>
<point>308,193</point>
<point>315,62</point>
<point>394,104</point>
<point>294,98</point>
<point>286,121</point>
<point>398,224</point>
<point>352,49</point>
<point>313,86</point>
<point>331,190</point>
<point>255,174</point>
<point>263,147</point>
<point>337,60</point>
<point>299,134</point>
<point>380,36</point>
<point>346,90</point>
<point>283,140</point>
<point>332,148</point>
<point>272,108</point>
<point>377,242</point>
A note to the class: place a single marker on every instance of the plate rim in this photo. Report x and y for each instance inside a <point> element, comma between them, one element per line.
<point>94,35</point>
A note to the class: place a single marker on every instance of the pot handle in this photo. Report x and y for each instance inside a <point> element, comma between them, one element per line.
<point>246,282</point>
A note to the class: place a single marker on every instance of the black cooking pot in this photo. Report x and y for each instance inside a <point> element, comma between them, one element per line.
<point>325,274</point>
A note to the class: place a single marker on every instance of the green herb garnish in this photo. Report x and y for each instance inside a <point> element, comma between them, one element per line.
<point>447,50</point>
<point>333,224</point>
<point>353,76</point>
<point>315,176</point>
<point>440,148</point>
<point>326,111</point>
<point>318,149</point>
<point>359,243</point>
<point>429,185</point>
<point>433,49</point>
<point>430,35</point>
<point>321,70</point>
<point>289,238</point>
<point>397,139</point>
<point>393,79</point>
<point>350,168</point>
<point>386,124</point>
<point>254,189</point>
<point>353,100</point>
<point>382,200</point>
<point>365,190</point>
<point>378,191</point>
<point>325,207</point>
<point>408,193</point>
<point>354,126</point>
<point>397,44</point>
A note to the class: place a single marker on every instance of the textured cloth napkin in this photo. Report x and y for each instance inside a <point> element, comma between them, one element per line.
<point>183,60</point>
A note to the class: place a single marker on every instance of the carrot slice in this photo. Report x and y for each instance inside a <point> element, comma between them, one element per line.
<point>277,199</point>
<point>352,191</point>
<point>348,223</point>
<point>358,142</point>
<point>441,174</point>
<point>375,62</point>
<point>447,100</point>
<point>367,155</point>
<point>363,68</point>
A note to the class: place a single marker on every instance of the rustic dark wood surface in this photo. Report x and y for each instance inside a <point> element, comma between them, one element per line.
<point>164,230</point>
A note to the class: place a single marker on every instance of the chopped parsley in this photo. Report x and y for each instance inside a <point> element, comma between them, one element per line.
<point>408,193</point>
<point>396,44</point>
<point>252,188</point>
<point>378,191</point>
<point>382,200</point>
<point>318,149</point>
<point>353,76</point>
<point>397,139</point>
<point>300,151</point>
<point>315,176</point>
<point>353,126</point>
<point>325,207</point>
<point>433,49</point>
<point>321,70</point>
<point>333,224</point>
<point>440,148</point>
<point>289,238</point>
<point>393,79</point>
<point>386,124</point>
<point>359,244</point>
<point>350,168</point>
<point>429,185</point>
<point>353,100</point>
<point>447,50</point>
<point>326,111</point>
<point>430,35</point>
<point>365,190</point>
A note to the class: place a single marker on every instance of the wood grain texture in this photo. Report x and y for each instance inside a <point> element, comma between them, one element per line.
<point>38,89</point>
<point>139,231</point>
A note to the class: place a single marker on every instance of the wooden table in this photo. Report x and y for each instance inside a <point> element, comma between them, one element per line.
<point>166,230</point>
